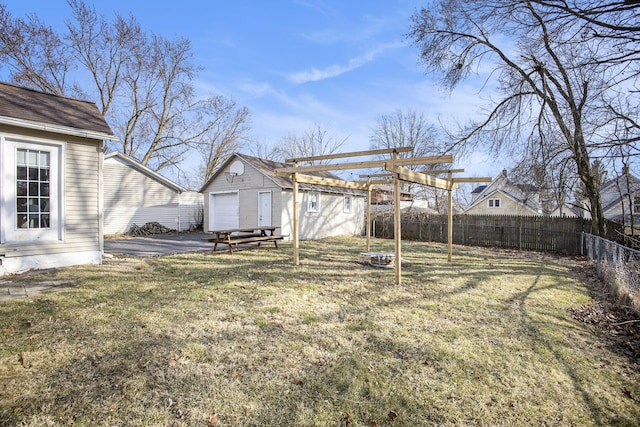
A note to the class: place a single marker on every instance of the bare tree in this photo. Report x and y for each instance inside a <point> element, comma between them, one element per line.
<point>407,129</point>
<point>263,150</point>
<point>143,83</point>
<point>553,75</point>
<point>103,49</point>
<point>34,54</point>
<point>411,129</point>
<point>226,136</point>
<point>314,142</point>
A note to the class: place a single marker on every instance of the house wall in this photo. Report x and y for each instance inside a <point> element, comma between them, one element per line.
<point>507,207</point>
<point>80,241</point>
<point>248,185</point>
<point>331,220</point>
<point>191,210</point>
<point>131,197</point>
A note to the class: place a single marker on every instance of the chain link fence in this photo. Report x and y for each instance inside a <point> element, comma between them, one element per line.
<point>618,266</point>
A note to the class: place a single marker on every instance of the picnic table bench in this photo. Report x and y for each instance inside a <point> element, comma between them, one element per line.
<point>238,236</point>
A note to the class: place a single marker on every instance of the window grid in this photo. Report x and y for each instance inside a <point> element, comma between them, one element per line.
<point>313,204</point>
<point>33,183</point>
<point>347,204</point>
<point>494,203</point>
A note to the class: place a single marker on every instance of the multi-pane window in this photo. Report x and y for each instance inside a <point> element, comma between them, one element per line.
<point>347,206</point>
<point>313,202</point>
<point>494,203</point>
<point>33,182</point>
<point>636,202</point>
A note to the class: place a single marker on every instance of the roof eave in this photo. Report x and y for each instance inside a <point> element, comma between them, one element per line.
<point>147,171</point>
<point>64,130</point>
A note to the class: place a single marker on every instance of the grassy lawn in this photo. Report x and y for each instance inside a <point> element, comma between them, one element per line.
<point>252,340</point>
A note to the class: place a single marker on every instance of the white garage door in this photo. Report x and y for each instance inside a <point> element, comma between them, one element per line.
<point>224,211</point>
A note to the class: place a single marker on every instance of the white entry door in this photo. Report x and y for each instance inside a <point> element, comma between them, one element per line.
<point>224,211</point>
<point>264,208</point>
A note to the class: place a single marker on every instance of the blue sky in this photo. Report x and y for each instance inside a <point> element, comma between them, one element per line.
<point>296,63</point>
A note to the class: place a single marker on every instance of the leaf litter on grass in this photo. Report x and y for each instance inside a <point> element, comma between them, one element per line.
<point>488,339</point>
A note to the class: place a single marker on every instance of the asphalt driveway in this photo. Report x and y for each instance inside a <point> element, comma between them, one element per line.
<point>163,244</point>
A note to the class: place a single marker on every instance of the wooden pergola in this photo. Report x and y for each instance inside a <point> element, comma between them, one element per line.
<point>396,169</point>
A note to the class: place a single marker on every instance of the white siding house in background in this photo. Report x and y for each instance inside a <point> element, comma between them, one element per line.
<point>246,192</point>
<point>51,168</point>
<point>504,197</point>
<point>136,195</point>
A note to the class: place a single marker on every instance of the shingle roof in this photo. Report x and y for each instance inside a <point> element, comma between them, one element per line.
<point>39,107</point>
<point>479,189</point>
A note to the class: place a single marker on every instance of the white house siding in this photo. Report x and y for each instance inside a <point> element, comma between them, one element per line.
<point>330,220</point>
<point>248,184</point>
<point>507,207</point>
<point>80,243</point>
<point>131,197</point>
<point>190,210</point>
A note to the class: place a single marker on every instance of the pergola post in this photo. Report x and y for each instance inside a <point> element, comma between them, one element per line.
<point>450,219</point>
<point>296,212</point>
<point>397,234</point>
<point>368,232</point>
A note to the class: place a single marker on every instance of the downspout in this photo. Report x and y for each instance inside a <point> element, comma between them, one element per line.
<point>101,199</point>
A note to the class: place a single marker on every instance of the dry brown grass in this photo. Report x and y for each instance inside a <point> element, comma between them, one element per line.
<point>250,339</point>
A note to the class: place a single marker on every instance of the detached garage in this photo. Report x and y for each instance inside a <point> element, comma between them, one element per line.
<point>246,192</point>
<point>135,194</point>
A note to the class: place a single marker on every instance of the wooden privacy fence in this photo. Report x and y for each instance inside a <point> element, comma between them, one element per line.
<point>535,233</point>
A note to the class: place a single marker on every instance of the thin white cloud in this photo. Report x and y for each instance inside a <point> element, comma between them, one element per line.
<point>255,90</point>
<point>315,74</point>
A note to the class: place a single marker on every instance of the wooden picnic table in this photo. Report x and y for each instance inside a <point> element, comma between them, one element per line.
<point>245,235</point>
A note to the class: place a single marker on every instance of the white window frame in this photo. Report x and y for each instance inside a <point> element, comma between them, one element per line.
<point>495,203</point>
<point>635,203</point>
<point>347,204</point>
<point>313,197</point>
<point>10,232</point>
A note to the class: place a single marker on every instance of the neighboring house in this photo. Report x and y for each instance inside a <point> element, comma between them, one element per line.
<point>51,168</point>
<point>503,197</point>
<point>620,199</point>
<point>136,195</point>
<point>382,194</point>
<point>246,192</point>
<point>567,210</point>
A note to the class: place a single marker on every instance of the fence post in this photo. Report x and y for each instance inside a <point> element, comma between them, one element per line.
<point>519,235</point>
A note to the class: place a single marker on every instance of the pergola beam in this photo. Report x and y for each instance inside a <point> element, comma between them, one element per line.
<point>376,181</point>
<point>408,175</point>
<point>472,179</point>
<point>439,171</point>
<point>352,154</point>
<point>319,180</point>
<point>429,160</point>
<point>377,175</point>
